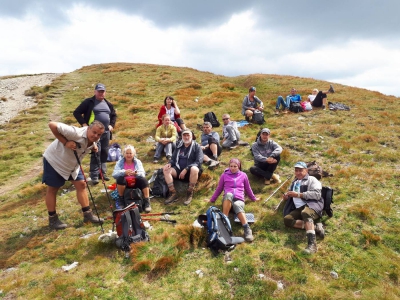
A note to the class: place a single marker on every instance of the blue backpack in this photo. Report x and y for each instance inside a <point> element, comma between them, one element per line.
<point>219,231</point>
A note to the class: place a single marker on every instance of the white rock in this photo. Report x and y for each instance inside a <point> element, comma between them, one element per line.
<point>334,275</point>
<point>70,267</point>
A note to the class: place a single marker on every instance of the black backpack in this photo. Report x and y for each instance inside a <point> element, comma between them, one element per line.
<point>212,118</point>
<point>258,117</point>
<point>130,228</point>
<point>160,187</point>
<point>132,195</point>
<point>327,194</point>
<point>219,231</point>
<point>296,107</point>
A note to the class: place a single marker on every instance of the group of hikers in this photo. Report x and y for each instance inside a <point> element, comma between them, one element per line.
<point>185,157</point>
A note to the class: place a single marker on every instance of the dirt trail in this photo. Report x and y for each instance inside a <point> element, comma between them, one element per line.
<point>13,90</point>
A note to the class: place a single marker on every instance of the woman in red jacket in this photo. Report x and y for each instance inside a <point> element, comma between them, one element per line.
<point>171,108</point>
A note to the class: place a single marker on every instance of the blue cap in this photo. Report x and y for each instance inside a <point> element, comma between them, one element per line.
<point>252,89</point>
<point>301,165</point>
<point>100,87</point>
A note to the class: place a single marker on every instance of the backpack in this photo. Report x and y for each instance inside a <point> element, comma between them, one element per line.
<point>327,194</point>
<point>132,195</point>
<point>219,231</point>
<point>160,187</point>
<point>314,170</point>
<point>258,135</point>
<point>258,117</point>
<point>130,228</point>
<point>114,152</point>
<point>212,118</point>
<point>296,107</point>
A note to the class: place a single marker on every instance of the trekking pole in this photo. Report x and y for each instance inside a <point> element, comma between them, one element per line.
<point>159,219</point>
<point>288,177</point>
<point>87,185</point>
<point>160,214</point>
<point>104,183</point>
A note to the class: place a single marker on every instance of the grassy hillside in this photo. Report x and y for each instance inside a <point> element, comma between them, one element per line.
<point>359,147</point>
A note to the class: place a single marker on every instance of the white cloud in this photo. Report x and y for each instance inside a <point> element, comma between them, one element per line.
<point>236,47</point>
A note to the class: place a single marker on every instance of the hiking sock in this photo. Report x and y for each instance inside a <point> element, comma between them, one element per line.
<point>51,213</point>
<point>85,209</point>
<point>215,158</point>
<point>191,186</point>
<point>310,231</point>
<point>246,226</point>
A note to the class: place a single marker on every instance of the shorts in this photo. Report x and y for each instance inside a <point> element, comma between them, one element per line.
<point>301,213</point>
<point>186,178</point>
<point>53,179</point>
<point>237,204</point>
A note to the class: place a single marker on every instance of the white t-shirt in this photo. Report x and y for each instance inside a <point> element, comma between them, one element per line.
<point>311,98</point>
<point>171,112</point>
<point>298,202</point>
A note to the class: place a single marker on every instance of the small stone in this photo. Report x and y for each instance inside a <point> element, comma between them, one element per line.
<point>334,275</point>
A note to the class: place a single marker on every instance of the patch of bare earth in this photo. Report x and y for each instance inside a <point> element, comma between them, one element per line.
<point>12,91</point>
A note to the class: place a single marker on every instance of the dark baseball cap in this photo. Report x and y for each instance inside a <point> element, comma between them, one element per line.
<point>100,87</point>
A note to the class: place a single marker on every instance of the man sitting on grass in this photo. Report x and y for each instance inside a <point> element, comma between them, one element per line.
<point>266,157</point>
<point>293,97</point>
<point>304,205</point>
<point>210,146</point>
<point>230,133</point>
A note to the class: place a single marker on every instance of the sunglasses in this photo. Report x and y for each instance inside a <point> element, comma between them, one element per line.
<point>225,119</point>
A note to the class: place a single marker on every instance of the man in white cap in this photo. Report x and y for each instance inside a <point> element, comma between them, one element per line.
<point>304,205</point>
<point>100,109</point>
<point>185,164</point>
<point>266,157</point>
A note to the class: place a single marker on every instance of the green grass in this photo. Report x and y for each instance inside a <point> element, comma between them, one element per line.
<point>358,147</point>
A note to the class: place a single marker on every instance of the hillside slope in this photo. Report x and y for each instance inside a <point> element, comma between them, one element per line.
<point>359,148</point>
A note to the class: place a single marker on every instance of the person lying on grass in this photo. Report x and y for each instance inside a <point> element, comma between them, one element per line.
<point>235,183</point>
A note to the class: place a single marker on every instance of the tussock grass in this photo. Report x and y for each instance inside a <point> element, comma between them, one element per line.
<point>359,148</point>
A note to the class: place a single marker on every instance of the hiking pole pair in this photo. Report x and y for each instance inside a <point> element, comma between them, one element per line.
<point>164,219</point>
<point>87,185</point>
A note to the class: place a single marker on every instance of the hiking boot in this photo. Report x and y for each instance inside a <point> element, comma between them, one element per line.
<point>155,161</point>
<point>277,112</point>
<point>168,157</point>
<point>234,145</point>
<point>286,110</point>
<point>320,231</point>
<point>267,181</point>
<point>331,89</point>
<point>323,107</point>
<point>105,177</point>
<point>173,197</point>
<point>146,205</point>
<point>189,197</point>
<point>276,178</point>
<point>248,234</point>
<point>207,163</point>
<point>89,217</point>
<point>55,223</point>
<point>95,181</point>
<point>312,244</point>
<point>213,164</point>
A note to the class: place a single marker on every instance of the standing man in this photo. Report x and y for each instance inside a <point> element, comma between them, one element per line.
<point>99,109</point>
<point>251,103</point>
<point>185,165</point>
<point>266,157</point>
<point>304,205</point>
<point>230,132</point>
<point>210,146</point>
<point>60,164</point>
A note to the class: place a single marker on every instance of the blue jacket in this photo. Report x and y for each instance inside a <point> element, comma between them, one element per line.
<point>119,170</point>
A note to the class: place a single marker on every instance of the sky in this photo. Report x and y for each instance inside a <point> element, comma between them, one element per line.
<point>352,42</point>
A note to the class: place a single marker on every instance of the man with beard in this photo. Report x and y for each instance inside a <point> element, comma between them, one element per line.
<point>185,164</point>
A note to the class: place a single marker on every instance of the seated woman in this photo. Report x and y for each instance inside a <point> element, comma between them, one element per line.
<point>165,138</point>
<point>171,108</point>
<point>129,172</point>
<point>235,183</point>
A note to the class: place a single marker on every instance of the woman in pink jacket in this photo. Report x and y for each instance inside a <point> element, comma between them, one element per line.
<point>235,183</point>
